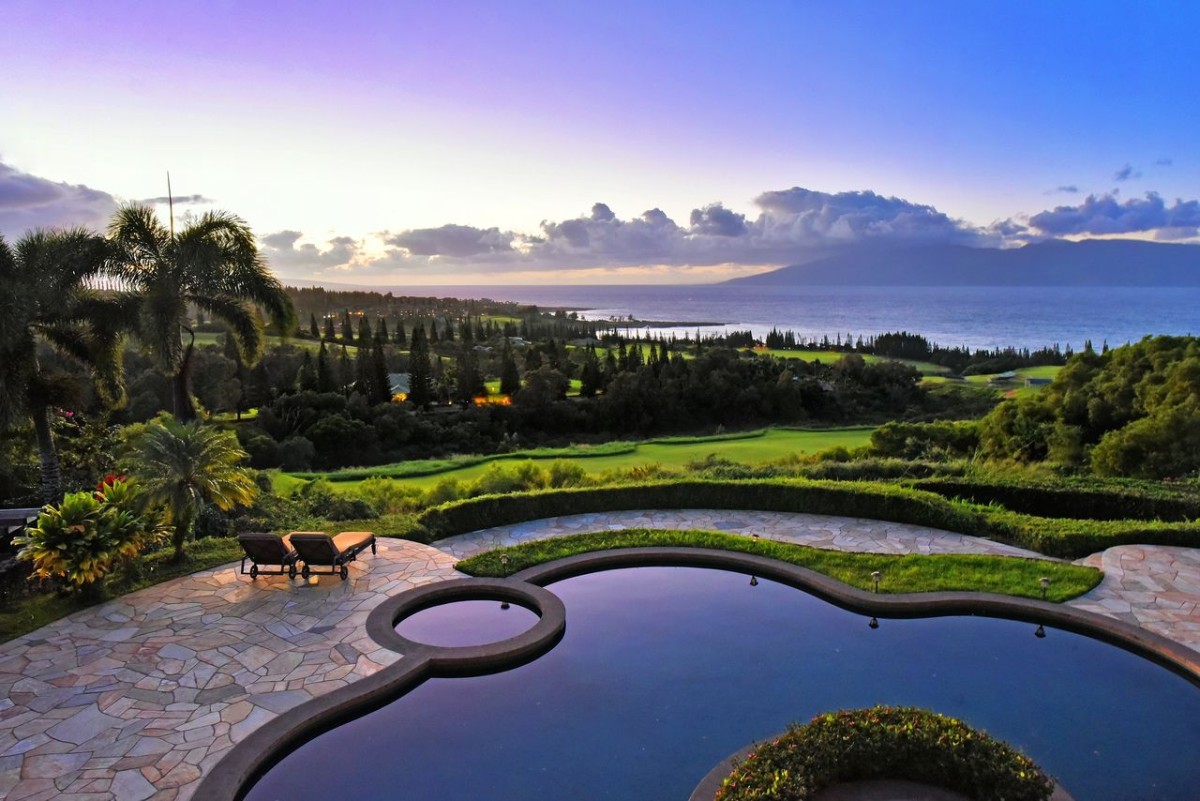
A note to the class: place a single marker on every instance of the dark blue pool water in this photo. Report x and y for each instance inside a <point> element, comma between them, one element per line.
<point>466,623</point>
<point>665,671</point>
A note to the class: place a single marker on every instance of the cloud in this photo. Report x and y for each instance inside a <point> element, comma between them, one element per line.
<point>1065,189</point>
<point>1105,214</point>
<point>1164,162</point>
<point>28,202</point>
<point>282,254</point>
<point>178,199</point>
<point>716,220</point>
<point>807,216</point>
<point>456,241</point>
<point>1126,173</point>
<point>792,225</point>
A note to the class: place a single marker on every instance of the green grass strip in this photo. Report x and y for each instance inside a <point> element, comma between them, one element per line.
<point>1005,575</point>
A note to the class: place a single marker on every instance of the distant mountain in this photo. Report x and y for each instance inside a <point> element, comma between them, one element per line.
<point>1093,262</point>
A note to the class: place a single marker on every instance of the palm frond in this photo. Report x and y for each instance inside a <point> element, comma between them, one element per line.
<point>245,326</point>
<point>140,242</point>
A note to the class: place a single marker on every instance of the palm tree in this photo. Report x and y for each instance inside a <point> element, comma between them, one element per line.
<point>182,466</point>
<point>45,300</point>
<point>212,264</point>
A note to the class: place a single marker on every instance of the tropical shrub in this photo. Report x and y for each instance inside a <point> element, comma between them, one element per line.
<point>86,536</point>
<point>885,743</point>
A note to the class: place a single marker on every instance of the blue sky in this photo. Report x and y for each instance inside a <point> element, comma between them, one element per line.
<point>458,142</point>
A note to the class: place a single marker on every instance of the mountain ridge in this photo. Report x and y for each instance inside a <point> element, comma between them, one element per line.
<point>1091,262</point>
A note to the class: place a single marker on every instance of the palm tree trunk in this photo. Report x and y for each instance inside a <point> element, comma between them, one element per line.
<point>181,387</point>
<point>51,471</point>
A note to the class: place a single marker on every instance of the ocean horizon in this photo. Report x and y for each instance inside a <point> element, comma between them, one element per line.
<point>975,317</point>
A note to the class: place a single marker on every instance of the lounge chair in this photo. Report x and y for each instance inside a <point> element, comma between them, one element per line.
<point>336,552</point>
<point>268,549</point>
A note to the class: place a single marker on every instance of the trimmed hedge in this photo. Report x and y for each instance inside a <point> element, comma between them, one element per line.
<point>885,743</point>
<point>858,499</point>
<point>1091,502</point>
<point>1063,538</point>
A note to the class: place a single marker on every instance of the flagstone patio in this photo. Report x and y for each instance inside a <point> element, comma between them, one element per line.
<point>137,698</point>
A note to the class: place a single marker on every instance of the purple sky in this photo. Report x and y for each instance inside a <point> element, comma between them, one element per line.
<point>456,142</point>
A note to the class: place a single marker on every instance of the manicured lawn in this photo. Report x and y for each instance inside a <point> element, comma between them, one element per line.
<point>748,448</point>
<point>900,574</point>
<point>830,356</point>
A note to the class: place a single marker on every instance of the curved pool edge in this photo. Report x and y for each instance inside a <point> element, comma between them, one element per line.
<point>235,773</point>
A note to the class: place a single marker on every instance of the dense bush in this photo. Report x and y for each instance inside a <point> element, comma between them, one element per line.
<point>1131,411</point>
<point>885,743</point>
<point>88,534</point>
<point>938,440</point>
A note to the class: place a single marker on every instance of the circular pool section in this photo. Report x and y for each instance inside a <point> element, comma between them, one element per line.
<point>662,672</point>
<point>461,624</point>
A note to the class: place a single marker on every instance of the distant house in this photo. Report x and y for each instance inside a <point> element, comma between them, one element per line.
<point>400,385</point>
<point>1030,381</point>
<point>1003,378</point>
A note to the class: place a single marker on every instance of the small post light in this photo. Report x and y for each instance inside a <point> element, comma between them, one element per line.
<point>1045,582</point>
<point>875,576</point>
<point>754,536</point>
<point>874,624</point>
<point>754,581</point>
<point>1040,633</point>
<point>504,560</point>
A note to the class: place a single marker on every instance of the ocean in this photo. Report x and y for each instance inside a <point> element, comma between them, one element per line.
<point>975,317</point>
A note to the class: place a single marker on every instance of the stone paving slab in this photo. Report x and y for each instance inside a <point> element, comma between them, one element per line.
<point>139,697</point>
<point>820,531</point>
<point>135,699</point>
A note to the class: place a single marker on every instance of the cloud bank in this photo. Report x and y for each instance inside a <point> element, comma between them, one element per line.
<point>1105,214</point>
<point>28,202</point>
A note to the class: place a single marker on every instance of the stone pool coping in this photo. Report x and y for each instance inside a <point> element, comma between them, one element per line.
<point>251,757</point>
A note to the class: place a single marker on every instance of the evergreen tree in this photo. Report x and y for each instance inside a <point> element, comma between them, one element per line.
<point>347,329</point>
<point>449,332</point>
<point>329,333</point>
<point>364,332</point>
<point>433,332</point>
<point>401,339</point>
<point>590,378</point>
<point>381,331</point>
<point>313,331</point>
<point>468,336</point>
<point>470,381</point>
<point>326,382</point>
<point>306,376</point>
<point>381,383</point>
<point>345,371</point>
<point>420,372</point>
<point>510,378</point>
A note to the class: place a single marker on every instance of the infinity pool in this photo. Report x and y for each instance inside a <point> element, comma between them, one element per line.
<point>665,671</point>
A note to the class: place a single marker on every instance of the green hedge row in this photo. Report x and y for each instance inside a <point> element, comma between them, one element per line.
<point>1053,537</point>
<point>1119,502</point>
<point>885,743</point>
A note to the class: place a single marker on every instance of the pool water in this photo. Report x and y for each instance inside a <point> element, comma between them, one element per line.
<point>665,671</point>
<point>463,623</point>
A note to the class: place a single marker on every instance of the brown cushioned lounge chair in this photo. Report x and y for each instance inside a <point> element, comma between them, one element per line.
<point>336,552</point>
<point>268,549</point>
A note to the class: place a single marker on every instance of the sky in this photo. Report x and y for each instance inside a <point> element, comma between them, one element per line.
<point>398,143</point>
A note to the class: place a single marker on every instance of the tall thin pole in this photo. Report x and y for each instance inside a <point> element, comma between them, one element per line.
<point>171,204</point>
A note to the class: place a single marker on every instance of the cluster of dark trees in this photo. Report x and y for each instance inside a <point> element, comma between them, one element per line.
<point>631,390</point>
<point>960,360</point>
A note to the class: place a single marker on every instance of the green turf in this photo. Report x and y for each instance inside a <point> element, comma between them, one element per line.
<point>748,448</point>
<point>899,573</point>
<point>831,356</point>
